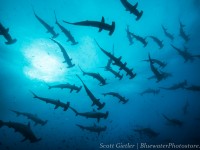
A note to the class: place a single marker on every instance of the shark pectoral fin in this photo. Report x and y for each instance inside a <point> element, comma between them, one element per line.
<point>56,106</point>
<point>71,90</point>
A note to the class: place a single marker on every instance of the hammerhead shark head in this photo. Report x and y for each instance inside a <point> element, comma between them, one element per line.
<point>167,34</point>
<point>57,103</point>
<point>117,95</point>
<point>140,39</point>
<point>30,116</point>
<point>147,91</point>
<point>158,62</point>
<point>185,54</point>
<point>129,36</point>
<point>92,114</point>
<point>94,100</point>
<point>94,128</point>
<point>118,62</point>
<point>49,28</point>
<point>173,122</point>
<point>183,34</point>
<point>132,9</point>
<point>150,133</point>
<point>4,31</point>
<point>68,60</point>
<point>159,76</point>
<point>101,25</point>
<point>195,88</point>
<point>23,129</point>
<point>176,86</point>
<point>95,75</point>
<point>66,32</point>
<point>67,86</point>
<point>157,41</point>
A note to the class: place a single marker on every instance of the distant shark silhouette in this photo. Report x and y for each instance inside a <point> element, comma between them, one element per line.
<point>140,39</point>
<point>116,74</point>
<point>150,133</point>
<point>30,116</point>
<point>173,121</point>
<point>93,114</point>
<point>176,86</point>
<point>147,91</point>
<point>195,88</point>
<point>157,41</point>
<point>49,28</point>
<point>4,31</point>
<point>101,25</point>
<point>23,129</point>
<point>117,62</point>
<point>68,60</point>
<point>94,100</point>
<point>167,34</point>
<point>182,33</point>
<point>129,36</point>
<point>66,32</point>
<point>117,95</point>
<point>165,75</point>
<point>95,75</point>
<point>94,128</point>
<point>57,103</point>
<point>132,9</point>
<point>67,86</point>
<point>156,61</point>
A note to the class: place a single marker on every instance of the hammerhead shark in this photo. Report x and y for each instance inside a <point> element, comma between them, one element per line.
<point>150,133</point>
<point>157,41</point>
<point>173,121</point>
<point>176,86</point>
<point>57,103</point>
<point>167,34</point>
<point>140,39</point>
<point>195,88</point>
<point>93,114</point>
<point>117,95</point>
<point>101,25</point>
<point>159,76</point>
<point>68,60</point>
<point>4,31</point>
<point>95,75</point>
<point>23,129</point>
<point>132,9</point>
<point>94,128</point>
<point>66,86</point>
<point>164,75</point>
<point>129,36</point>
<point>182,33</point>
<point>49,28</point>
<point>32,117</point>
<point>158,62</point>
<point>94,100</point>
<point>185,54</point>
<point>66,32</point>
<point>147,91</point>
<point>116,74</point>
<point>118,62</point>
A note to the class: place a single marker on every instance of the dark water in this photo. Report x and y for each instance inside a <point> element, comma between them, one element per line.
<point>34,62</point>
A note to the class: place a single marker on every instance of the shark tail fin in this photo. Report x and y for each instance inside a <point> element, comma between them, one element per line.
<point>79,89</point>
<point>80,126</point>
<point>82,70</point>
<point>125,101</point>
<point>139,15</point>
<point>55,17</point>
<point>74,110</point>
<point>34,95</point>
<point>55,35</point>
<point>12,41</point>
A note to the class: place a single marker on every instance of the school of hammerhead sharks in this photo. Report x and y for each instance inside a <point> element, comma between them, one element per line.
<point>156,67</point>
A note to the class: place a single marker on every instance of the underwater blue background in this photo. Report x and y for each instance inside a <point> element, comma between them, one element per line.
<point>35,61</point>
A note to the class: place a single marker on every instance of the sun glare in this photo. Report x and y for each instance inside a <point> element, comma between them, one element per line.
<point>44,63</point>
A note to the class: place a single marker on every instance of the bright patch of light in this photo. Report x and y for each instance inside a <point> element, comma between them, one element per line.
<point>44,61</point>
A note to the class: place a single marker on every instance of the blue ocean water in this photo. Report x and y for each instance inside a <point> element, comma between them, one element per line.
<point>34,62</point>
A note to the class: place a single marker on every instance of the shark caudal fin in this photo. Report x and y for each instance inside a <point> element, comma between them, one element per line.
<point>74,110</point>
<point>124,102</point>
<point>80,126</point>
<point>12,41</point>
<point>82,70</point>
<point>79,89</point>
<point>139,15</point>
<point>112,29</point>
<point>34,95</point>
<point>55,35</point>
